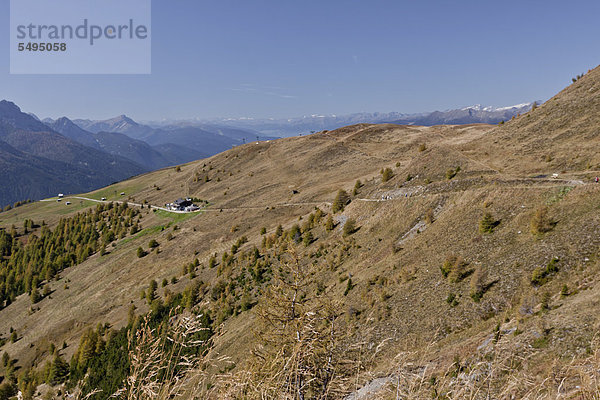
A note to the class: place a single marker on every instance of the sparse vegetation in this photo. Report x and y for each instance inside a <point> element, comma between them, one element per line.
<point>488,223</point>
<point>454,268</point>
<point>429,216</point>
<point>349,286</point>
<point>578,77</point>
<point>477,284</point>
<point>341,200</point>
<point>357,187</point>
<point>541,222</point>
<point>452,300</point>
<point>349,227</point>
<point>451,173</point>
<point>386,175</point>
<point>542,274</point>
<point>329,224</point>
<point>212,262</point>
<point>35,296</point>
<point>307,238</point>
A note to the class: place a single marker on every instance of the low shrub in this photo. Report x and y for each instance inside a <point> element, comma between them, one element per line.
<point>542,274</point>
<point>455,269</point>
<point>541,222</point>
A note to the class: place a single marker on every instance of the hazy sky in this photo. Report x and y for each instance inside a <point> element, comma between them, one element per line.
<point>279,58</point>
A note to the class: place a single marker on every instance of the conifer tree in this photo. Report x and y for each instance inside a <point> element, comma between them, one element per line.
<point>5,359</point>
<point>151,293</point>
<point>357,187</point>
<point>340,201</point>
<point>349,227</point>
<point>386,175</point>
<point>295,234</point>
<point>59,370</point>
<point>299,355</point>
<point>329,225</point>
<point>35,296</point>
<point>307,238</point>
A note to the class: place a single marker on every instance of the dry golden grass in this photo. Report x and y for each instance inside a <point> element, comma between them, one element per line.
<point>161,364</point>
<point>397,301</point>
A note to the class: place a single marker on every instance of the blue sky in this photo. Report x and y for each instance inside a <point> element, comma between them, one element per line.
<point>284,58</point>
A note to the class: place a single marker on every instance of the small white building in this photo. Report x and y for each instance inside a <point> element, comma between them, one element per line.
<point>60,195</point>
<point>182,205</point>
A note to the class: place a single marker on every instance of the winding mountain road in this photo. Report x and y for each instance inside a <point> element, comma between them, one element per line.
<point>120,202</point>
<point>389,195</point>
<point>217,209</point>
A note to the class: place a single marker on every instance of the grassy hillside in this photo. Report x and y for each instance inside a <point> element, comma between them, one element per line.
<point>559,135</point>
<point>470,270</point>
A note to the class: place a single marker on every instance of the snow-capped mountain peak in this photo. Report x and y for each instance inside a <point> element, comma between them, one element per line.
<point>479,107</point>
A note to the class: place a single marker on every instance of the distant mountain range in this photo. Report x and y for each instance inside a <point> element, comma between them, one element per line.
<point>36,161</point>
<point>468,115</point>
<point>204,139</point>
<point>316,123</point>
<point>40,158</point>
<point>153,147</point>
<point>122,145</point>
<point>121,124</point>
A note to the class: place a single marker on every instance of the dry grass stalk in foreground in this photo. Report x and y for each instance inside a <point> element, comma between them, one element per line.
<point>498,374</point>
<point>162,362</point>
